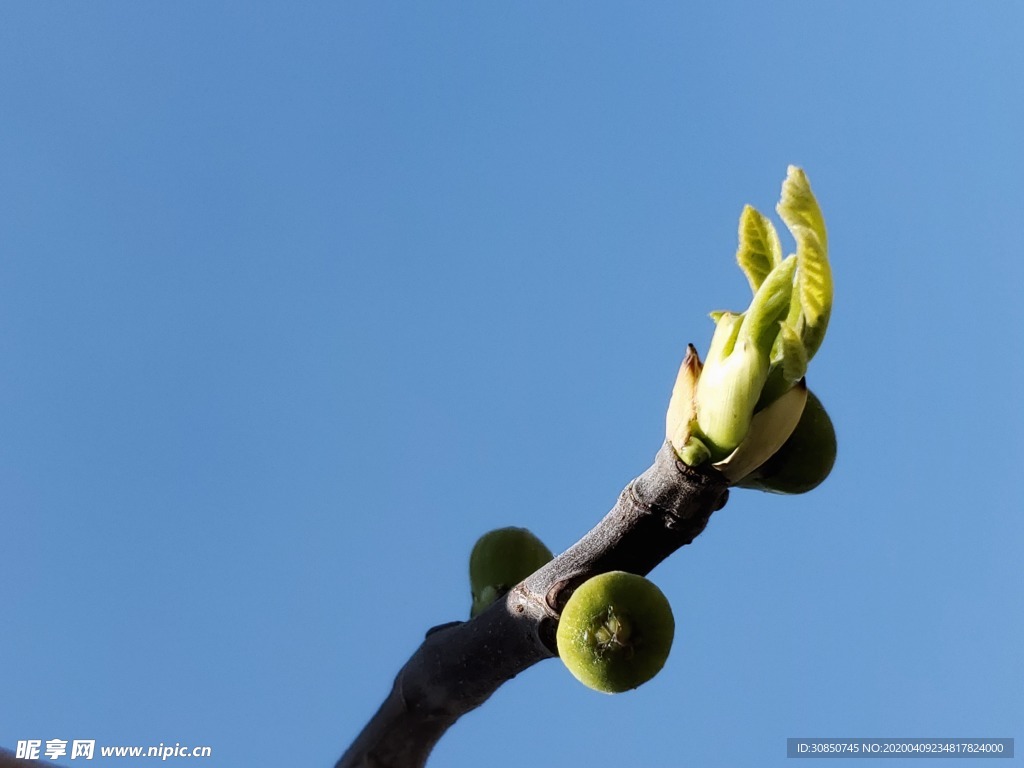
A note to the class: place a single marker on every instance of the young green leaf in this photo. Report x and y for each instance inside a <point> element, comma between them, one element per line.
<point>769,305</point>
<point>737,365</point>
<point>799,209</point>
<point>759,250</point>
<point>792,355</point>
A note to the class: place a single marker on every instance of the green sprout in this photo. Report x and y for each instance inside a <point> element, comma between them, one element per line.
<point>739,407</point>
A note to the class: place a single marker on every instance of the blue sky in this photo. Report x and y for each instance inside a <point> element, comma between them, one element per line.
<point>297,301</point>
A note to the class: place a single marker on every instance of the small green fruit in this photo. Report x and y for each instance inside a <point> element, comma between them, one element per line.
<point>615,632</point>
<point>804,460</point>
<point>500,560</point>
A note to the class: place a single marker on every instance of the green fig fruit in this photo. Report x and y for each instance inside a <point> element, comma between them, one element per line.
<point>615,632</point>
<point>804,460</point>
<point>500,560</point>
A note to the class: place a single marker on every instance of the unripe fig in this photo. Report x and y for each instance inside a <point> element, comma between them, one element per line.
<point>615,632</point>
<point>804,460</point>
<point>500,560</point>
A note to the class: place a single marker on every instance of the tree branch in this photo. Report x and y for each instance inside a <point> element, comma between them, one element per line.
<point>460,665</point>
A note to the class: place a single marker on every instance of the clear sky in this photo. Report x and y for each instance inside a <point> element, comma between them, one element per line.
<point>298,299</point>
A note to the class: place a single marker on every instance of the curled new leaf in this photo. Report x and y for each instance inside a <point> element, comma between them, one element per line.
<point>799,209</point>
<point>759,250</point>
<point>794,355</point>
<point>738,364</point>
